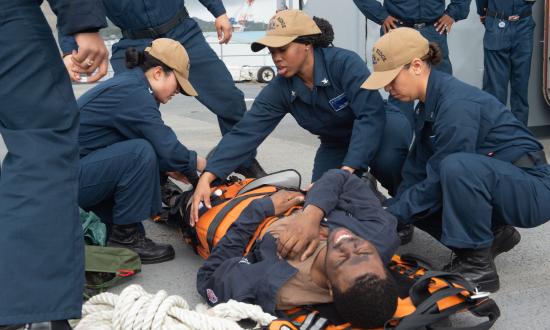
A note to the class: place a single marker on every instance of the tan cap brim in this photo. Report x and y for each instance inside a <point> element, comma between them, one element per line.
<point>380,79</point>
<point>185,85</point>
<point>272,41</point>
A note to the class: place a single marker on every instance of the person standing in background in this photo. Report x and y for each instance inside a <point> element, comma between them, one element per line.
<point>430,17</point>
<point>507,48</point>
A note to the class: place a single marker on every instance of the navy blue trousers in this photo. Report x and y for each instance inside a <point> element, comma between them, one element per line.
<point>432,35</point>
<point>121,182</point>
<point>208,74</point>
<point>387,163</point>
<point>41,242</point>
<point>480,193</point>
<point>507,61</point>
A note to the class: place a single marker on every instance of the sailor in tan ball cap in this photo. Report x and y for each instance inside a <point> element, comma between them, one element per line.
<point>474,171</point>
<point>320,86</point>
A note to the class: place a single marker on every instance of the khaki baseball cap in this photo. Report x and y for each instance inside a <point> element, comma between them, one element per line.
<point>392,52</point>
<point>284,28</point>
<point>173,55</point>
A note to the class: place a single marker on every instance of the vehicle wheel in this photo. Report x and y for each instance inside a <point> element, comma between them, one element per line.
<point>265,74</point>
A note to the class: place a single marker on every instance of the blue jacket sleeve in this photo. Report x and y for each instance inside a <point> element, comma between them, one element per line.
<point>257,123</point>
<point>215,7</point>
<point>414,169</point>
<point>222,269</point>
<point>340,190</point>
<point>66,43</point>
<point>458,9</point>
<point>481,6</point>
<point>456,129</point>
<point>373,10</point>
<point>75,16</point>
<point>368,108</point>
<point>142,119</point>
<point>348,202</point>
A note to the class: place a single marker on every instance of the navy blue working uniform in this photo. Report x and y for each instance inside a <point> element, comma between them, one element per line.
<point>507,48</point>
<point>355,126</point>
<point>208,74</point>
<point>472,168</point>
<point>420,15</point>
<point>41,243</point>
<point>347,202</point>
<point>124,145</point>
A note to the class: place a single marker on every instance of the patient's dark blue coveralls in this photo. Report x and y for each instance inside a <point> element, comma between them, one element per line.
<point>420,15</point>
<point>124,145</point>
<point>347,202</point>
<point>508,46</point>
<point>208,74</point>
<point>41,243</point>
<point>355,126</point>
<point>472,167</point>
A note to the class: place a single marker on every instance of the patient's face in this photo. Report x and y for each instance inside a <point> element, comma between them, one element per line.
<point>349,257</point>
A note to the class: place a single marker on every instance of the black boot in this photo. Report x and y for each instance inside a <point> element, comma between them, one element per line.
<point>477,266</point>
<point>255,170</point>
<point>60,325</point>
<point>130,237</point>
<point>12,327</point>
<point>505,238</point>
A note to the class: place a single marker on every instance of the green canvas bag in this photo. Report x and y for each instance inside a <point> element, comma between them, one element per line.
<point>107,266</point>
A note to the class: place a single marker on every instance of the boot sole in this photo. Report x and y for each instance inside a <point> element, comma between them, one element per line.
<point>488,286</point>
<point>512,241</point>
<point>148,261</point>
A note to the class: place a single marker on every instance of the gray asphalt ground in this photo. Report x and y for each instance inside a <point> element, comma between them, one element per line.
<point>524,271</point>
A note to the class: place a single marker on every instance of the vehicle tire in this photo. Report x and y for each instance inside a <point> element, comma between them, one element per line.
<point>265,74</point>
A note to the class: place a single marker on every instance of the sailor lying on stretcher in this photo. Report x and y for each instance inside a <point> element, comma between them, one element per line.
<point>347,237</point>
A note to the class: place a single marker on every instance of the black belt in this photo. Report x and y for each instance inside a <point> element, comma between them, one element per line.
<point>157,31</point>
<point>414,24</point>
<point>511,18</point>
<point>531,159</point>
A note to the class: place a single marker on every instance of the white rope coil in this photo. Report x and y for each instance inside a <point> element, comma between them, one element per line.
<point>137,309</point>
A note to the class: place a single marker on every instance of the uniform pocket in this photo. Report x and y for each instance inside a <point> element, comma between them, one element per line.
<point>495,36</point>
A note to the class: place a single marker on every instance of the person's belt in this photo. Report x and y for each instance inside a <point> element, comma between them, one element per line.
<point>159,30</point>
<point>414,24</point>
<point>511,18</point>
<point>531,159</point>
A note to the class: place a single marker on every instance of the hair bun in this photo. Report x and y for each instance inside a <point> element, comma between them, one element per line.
<point>133,57</point>
<point>327,33</point>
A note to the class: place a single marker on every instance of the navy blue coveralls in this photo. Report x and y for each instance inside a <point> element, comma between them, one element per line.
<point>347,202</point>
<point>41,243</point>
<point>354,128</point>
<point>463,177</point>
<point>208,74</point>
<point>420,15</point>
<point>124,145</point>
<point>508,46</point>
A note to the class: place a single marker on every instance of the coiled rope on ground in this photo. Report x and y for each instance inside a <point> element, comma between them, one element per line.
<point>136,309</point>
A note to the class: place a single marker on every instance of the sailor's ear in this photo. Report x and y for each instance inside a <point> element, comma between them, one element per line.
<point>158,72</point>
<point>417,66</point>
